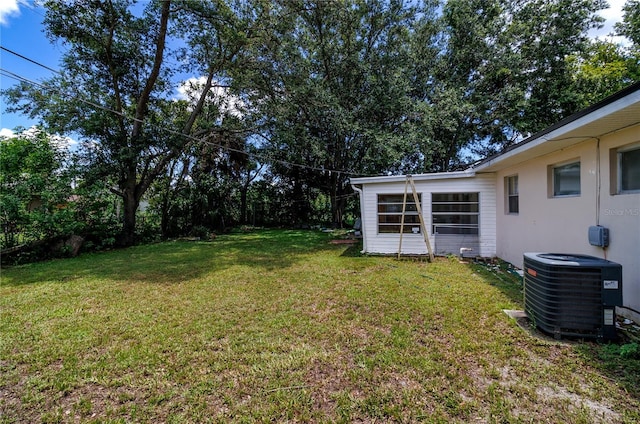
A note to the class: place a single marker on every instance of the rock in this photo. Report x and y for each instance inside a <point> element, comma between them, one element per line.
<point>74,244</point>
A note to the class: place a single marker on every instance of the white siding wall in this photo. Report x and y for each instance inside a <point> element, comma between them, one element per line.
<point>414,243</point>
<point>546,224</point>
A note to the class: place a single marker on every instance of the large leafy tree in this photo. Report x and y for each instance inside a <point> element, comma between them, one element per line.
<point>333,92</point>
<point>546,33</point>
<point>601,70</point>
<point>115,85</point>
<point>495,71</point>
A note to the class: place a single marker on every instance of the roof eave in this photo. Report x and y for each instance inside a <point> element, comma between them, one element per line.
<point>416,177</point>
<point>608,106</point>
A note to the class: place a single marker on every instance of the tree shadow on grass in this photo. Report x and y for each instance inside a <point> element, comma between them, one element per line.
<point>353,251</point>
<point>178,261</point>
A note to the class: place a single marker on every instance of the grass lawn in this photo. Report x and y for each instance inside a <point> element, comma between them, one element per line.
<point>283,326</point>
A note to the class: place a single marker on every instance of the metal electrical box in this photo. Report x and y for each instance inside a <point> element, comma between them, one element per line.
<point>598,236</point>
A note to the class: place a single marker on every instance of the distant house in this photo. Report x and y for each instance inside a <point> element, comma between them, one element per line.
<point>540,195</point>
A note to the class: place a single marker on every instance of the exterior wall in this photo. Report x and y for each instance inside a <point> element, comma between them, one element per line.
<point>546,224</point>
<point>414,243</point>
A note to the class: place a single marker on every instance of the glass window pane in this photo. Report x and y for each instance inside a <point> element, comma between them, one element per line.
<point>396,219</point>
<point>455,207</point>
<point>513,185</point>
<point>390,213</point>
<point>513,204</point>
<point>456,230</point>
<point>456,219</point>
<point>455,213</point>
<point>387,229</point>
<point>396,198</point>
<point>566,179</point>
<point>630,170</point>
<point>512,194</point>
<point>454,197</point>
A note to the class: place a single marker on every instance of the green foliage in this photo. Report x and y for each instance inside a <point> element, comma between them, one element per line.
<point>334,93</point>
<point>35,189</point>
<point>630,350</point>
<point>290,99</point>
<point>493,72</point>
<point>630,25</point>
<point>601,70</point>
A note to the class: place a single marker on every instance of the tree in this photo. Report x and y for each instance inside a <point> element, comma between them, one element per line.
<point>332,90</point>
<point>115,86</point>
<point>603,69</point>
<point>35,189</point>
<point>630,25</point>
<point>493,72</point>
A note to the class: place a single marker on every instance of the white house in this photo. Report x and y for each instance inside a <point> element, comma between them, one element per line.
<point>540,195</point>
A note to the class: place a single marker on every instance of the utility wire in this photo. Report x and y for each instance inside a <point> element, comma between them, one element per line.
<point>165,129</point>
<point>30,60</point>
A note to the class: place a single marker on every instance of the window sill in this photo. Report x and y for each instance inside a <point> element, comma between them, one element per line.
<point>564,196</point>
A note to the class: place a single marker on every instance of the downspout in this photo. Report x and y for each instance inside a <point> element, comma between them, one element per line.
<point>364,233</point>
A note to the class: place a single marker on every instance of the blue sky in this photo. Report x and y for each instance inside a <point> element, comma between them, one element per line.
<point>21,31</point>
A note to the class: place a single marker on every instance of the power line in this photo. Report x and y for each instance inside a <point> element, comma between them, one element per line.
<point>30,60</point>
<point>169,130</point>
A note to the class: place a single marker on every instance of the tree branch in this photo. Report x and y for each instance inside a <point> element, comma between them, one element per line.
<point>141,106</point>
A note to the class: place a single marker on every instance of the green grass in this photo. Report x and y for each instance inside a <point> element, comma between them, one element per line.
<point>282,326</point>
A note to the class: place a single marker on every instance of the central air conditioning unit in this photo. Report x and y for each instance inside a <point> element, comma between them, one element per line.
<point>572,295</point>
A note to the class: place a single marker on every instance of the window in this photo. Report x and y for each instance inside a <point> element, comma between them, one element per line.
<point>390,214</point>
<point>629,170</point>
<point>455,213</point>
<point>511,186</point>
<point>566,179</point>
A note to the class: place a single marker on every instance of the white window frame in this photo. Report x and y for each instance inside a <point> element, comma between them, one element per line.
<point>619,153</point>
<point>509,195</point>
<point>474,229</point>
<point>552,178</point>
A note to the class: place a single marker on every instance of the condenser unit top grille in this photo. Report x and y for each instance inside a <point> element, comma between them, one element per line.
<point>565,259</point>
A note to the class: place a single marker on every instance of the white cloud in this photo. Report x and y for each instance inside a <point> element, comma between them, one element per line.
<point>6,132</point>
<point>612,15</point>
<point>227,102</point>
<point>7,9</point>
<point>62,142</point>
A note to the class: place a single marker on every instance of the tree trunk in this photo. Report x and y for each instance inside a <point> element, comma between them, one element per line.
<point>164,217</point>
<point>130,207</point>
<point>337,200</point>
<point>243,206</point>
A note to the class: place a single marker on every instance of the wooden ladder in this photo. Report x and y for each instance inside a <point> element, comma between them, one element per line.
<point>423,228</point>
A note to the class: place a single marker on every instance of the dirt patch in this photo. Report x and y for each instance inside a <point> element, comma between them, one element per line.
<point>326,379</point>
<point>600,413</point>
<point>344,241</point>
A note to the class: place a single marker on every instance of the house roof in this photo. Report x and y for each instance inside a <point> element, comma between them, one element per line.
<point>616,112</point>
<point>416,177</point>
